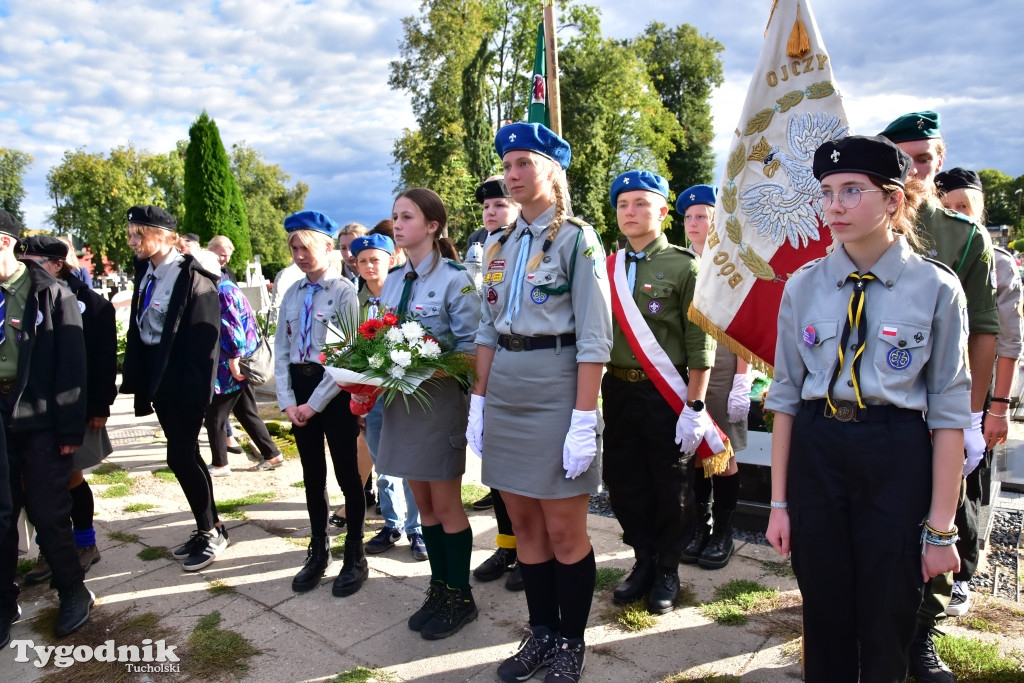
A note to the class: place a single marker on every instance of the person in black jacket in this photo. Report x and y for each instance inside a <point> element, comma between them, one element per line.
<point>170,361</point>
<point>42,402</point>
<point>100,330</point>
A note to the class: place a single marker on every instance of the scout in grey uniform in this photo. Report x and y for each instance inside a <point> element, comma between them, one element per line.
<point>544,335</point>
<point>314,403</point>
<point>728,402</point>
<point>870,337</point>
<point>963,192</point>
<point>426,445</point>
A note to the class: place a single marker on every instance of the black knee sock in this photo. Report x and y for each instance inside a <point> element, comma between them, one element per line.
<point>82,507</point>
<point>458,548</point>
<point>433,538</point>
<point>702,488</point>
<point>727,491</point>
<point>541,584</point>
<point>575,593</point>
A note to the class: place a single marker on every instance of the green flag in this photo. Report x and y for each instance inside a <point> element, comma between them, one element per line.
<point>539,90</point>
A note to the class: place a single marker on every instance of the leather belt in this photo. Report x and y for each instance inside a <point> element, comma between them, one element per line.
<point>308,369</point>
<point>517,342</point>
<point>847,411</point>
<point>8,386</point>
<point>628,374</point>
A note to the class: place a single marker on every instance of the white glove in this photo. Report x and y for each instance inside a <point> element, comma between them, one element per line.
<point>475,427</point>
<point>689,430</point>
<point>580,447</point>
<point>974,442</point>
<point>739,397</point>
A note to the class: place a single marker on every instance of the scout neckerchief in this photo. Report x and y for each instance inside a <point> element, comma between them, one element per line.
<point>403,303</point>
<point>854,318</point>
<point>306,322</point>
<point>145,296</point>
<point>714,450</point>
<point>518,275</point>
<point>3,316</point>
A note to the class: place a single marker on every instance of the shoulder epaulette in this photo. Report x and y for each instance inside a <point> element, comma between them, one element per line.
<point>394,268</point>
<point>687,251</point>
<point>578,222</point>
<point>807,265</point>
<point>940,264</point>
<point>455,264</point>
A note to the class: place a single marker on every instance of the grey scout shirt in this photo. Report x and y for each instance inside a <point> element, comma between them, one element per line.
<point>443,299</point>
<point>151,326</point>
<point>916,337</point>
<point>1008,303</point>
<point>335,304</point>
<point>584,310</point>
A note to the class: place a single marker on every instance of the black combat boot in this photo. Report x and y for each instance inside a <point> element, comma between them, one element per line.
<point>701,536</point>
<point>318,559</point>
<point>354,569</point>
<point>638,584</point>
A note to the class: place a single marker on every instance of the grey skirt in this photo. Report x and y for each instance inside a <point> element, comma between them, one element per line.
<point>719,386</point>
<point>425,444</point>
<point>530,398</point>
<point>95,447</point>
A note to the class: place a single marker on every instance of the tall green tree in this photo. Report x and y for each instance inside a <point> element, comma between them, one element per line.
<point>268,199</point>
<point>213,201</point>
<point>167,175</point>
<point>13,164</point>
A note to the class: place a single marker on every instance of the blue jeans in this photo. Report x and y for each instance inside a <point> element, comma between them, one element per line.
<point>386,486</point>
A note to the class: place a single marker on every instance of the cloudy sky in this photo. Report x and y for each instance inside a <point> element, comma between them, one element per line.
<point>305,81</point>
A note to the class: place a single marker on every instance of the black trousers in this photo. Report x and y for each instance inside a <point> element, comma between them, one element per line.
<point>647,478</point>
<point>967,523</point>
<point>339,426</point>
<point>5,486</point>
<point>243,404</point>
<point>858,493</point>
<point>181,423</point>
<point>39,478</point>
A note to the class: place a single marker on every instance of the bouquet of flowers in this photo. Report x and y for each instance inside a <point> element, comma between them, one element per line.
<point>388,357</point>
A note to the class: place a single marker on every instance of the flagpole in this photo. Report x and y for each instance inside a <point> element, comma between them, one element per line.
<point>554,93</point>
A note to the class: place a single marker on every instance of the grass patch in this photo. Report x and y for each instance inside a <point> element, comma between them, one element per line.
<point>361,674</point>
<point>736,599</point>
<point>301,541</point>
<point>978,662</point>
<point>635,617</point>
<point>299,485</point>
<point>338,543</point>
<point>700,675</point>
<point>106,468</point>
<point>783,568</point>
<point>116,477</point>
<point>140,507</point>
<point>472,493</point>
<point>218,587</point>
<point>978,624</point>
<point>216,653</point>
<point>165,474</point>
<point>281,435</point>
<point>607,578</point>
<point>231,508</point>
<point>155,552</point>
<point>117,491</point>
<point>993,615</point>
<point>123,537</point>
<point>25,566</point>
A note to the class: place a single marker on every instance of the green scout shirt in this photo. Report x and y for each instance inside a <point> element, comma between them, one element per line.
<point>665,278</point>
<point>964,246</point>
<point>15,300</point>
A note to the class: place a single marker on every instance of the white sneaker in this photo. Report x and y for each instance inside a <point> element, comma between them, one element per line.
<point>961,600</point>
<point>220,471</point>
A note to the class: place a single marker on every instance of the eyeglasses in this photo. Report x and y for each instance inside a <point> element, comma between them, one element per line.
<point>849,197</point>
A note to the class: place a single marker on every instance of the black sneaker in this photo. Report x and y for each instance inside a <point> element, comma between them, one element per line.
<point>384,540</point>
<point>961,600</point>
<point>495,566</point>
<point>212,544</point>
<point>536,649</point>
<point>457,611</point>
<point>194,542</point>
<point>485,503</point>
<point>925,663</point>
<point>567,664</point>
<point>74,609</point>
<point>8,616</point>
<point>437,595</point>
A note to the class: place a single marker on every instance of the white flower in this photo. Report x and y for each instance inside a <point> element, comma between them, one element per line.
<point>428,348</point>
<point>396,371</point>
<point>394,335</point>
<point>376,361</point>
<point>402,358</point>
<point>412,331</point>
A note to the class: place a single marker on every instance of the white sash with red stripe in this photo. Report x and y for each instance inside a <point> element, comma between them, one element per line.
<point>658,365</point>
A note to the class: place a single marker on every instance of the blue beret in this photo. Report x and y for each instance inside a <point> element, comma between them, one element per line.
<point>698,194</point>
<point>638,180</point>
<point>917,125</point>
<point>372,241</point>
<point>534,137</point>
<point>311,220</point>
<point>871,154</point>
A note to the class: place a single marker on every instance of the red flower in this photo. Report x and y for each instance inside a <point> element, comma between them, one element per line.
<point>390,319</point>
<point>323,358</point>
<point>370,328</point>
<point>427,337</point>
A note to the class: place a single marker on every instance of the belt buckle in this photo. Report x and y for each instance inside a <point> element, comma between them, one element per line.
<point>634,375</point>
<point>845,411</point>
<point>516,342</point>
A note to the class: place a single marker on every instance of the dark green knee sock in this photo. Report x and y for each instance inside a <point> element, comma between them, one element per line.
<point>433,538</point>
<point>458,547</point>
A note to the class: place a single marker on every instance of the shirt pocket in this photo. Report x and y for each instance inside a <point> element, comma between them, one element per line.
<point>549,278</point>
<point>903,348</point>
<point>819,344</point>
<point>655,299</point>
<point>429,313</point>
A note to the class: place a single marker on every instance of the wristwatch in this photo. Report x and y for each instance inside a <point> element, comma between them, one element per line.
<point>696,406</point>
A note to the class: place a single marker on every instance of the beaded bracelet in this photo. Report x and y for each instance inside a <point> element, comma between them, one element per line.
<point>780,506</point>
<point>932,531</point>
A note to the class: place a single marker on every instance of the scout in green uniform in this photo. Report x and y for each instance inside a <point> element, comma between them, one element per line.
<point>964,246</point>
<point>646,474</point>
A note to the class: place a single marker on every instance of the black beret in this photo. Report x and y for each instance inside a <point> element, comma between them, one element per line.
<point>191,237</point>
<point>958,179</point>
<point>492,189</point>
<point>42,245</point>
<point>871,154</point>
<point>152,215</point>
<point>9,225</point>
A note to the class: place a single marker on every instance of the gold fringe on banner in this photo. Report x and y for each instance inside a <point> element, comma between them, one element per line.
<point>721,337</point>
<point>719,462</point>
<point>799,44</point>
<point>775,3</point>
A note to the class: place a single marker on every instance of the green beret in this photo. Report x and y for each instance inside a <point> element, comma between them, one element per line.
<point>917,125</point>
